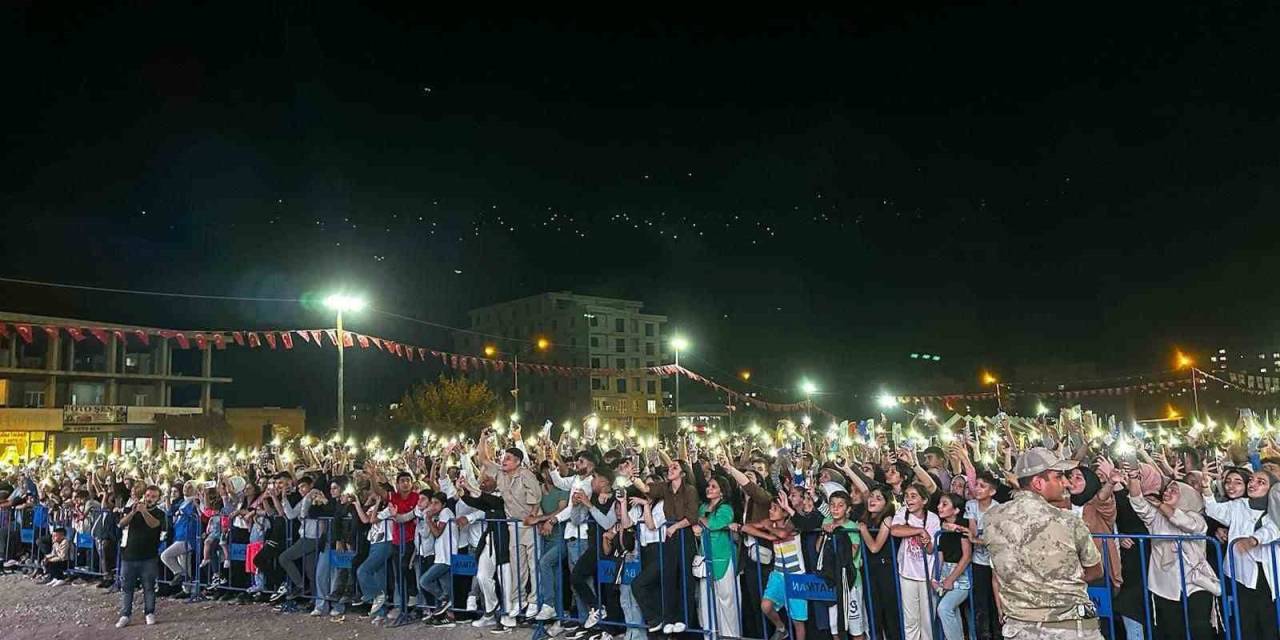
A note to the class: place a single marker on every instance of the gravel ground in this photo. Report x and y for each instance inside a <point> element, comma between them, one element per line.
<point>30,610</point>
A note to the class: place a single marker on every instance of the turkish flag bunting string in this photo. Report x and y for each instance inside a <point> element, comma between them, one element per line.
<point>100,334</point>
<point>286,339</point>
<point>219,341</point>
<point>363,340</point>
<point>183,342</point>
<point>271,338</point>
<point>333,336</point>
<point>52,332</point>
<point>238,338</point>
<point>75,333</point>
<point>202,342</point>
<point>119,336</point>
<point>305,335</point>
<point>254,340</point>
<point>348,340</point>
<point>24,330</point>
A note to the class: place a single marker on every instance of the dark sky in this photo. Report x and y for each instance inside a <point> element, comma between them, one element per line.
<point>805,195</point>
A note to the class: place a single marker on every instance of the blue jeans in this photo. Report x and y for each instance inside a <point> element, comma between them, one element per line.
<point>949,612</point>
<point>324,580</point>
<point>550,585</point>
<point>576,547</point>
<point>1133,629</point>
<point>131,572</point>
<point>372,574</point>
<point>438,581</point>
<point>631,613</point>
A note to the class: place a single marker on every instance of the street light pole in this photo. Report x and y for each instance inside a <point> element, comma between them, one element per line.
<point>341,402</point>
<point>1195,394</point>
<point>340,303</point>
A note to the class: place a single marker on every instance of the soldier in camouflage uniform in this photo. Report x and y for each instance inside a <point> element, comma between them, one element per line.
<point>1042,556</point>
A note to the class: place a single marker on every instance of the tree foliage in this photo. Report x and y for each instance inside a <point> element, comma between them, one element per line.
<point>448,404</point>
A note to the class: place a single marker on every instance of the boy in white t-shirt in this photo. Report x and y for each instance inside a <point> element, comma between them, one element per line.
<point>438,579</point>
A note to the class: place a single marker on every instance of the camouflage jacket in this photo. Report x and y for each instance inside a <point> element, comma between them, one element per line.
<point>1038,552</point>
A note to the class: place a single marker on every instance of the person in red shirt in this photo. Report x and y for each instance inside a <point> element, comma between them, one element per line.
<point>404,500</point>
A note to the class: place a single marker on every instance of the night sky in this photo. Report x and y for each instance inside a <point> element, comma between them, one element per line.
<point>804,195</point>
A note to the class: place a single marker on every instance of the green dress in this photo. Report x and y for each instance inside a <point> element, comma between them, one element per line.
<point>717,544</point>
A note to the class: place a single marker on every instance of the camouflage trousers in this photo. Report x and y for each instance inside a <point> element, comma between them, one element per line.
<point>1085,630</point>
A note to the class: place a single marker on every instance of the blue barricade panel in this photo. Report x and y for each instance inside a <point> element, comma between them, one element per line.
<point>238,552</point>
<point>464,564</point>
<point>28,536</point>
<point>84,540</point>
<point>807,587</point>
<point>341,559</point>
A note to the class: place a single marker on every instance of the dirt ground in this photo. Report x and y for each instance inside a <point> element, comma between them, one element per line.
<point>30,610</point>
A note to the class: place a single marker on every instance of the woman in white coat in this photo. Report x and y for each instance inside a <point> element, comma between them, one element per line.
<point>1249,532</point>
<point>1177,568</point>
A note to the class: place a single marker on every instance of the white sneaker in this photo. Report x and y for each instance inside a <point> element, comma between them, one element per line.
<point>678,627</point>
<point>151,618</point>
<point>547,612</point>
<point>508,621</point>
<point>315,613</point>
<point>593,618</point>
<point>378,601</point>
<point>472,605</point>
<point>656,628</point>
<point>531,610</point>
<point>667,629</point>
<point>486,620</point>
<point>333,613</point>
<point>57,583</point>
<point>122,622</point>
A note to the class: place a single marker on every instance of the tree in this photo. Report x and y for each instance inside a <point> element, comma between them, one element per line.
<point>448,404</point>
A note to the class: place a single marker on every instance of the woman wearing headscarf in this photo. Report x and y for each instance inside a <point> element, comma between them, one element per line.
<point>1178,569</point>
<point>1130,601</point>
<point>1095,503</point>
<point>1249,530</point>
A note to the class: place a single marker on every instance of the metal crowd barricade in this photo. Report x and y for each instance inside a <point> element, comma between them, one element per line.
<point>1103,597</point>
<point>1234,609</point>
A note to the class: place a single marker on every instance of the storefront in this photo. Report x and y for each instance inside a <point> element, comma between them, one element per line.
<point>26,433</point>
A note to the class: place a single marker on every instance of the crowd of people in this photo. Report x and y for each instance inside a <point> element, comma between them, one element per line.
<point>696,534</point>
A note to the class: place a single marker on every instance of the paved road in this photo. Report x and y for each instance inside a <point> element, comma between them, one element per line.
<point>32,611</point>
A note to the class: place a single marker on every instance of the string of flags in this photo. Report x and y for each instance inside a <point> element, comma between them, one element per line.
<point>275,339</point>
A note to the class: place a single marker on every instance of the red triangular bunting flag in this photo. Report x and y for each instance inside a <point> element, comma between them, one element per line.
<point>119,335</point>
<point>24,330</point>
<point>143,337</point>
<point>463,363</point>
<point>238,338</point>
<point>422,354</point>
<point>408,353</point>
<point>183,342</point>
<point>202,342</point>
<point>271,338</point>
<point>52,332</point>
<point>219,341</point>
<point>286,338</point>
<point>392,347</point>
<point>100,334</point>
<point>75,333</point>
<point>4,330</point>
<point>254,340</point>
<point>382,346</point>
<point>453,362</point>
<point>306,337</point>
<point>333,336</point>
<point>316,334</point>
<point>363,341</point>
<point>348,340</point>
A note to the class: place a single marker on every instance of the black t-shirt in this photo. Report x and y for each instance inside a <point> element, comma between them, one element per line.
<point>143,541</point>
<point>950,543</point>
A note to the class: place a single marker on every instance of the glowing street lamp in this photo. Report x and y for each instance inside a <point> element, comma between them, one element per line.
<point>987,378</point>
<point>745,375</point>
<point>1184,361</point>
<point>887,401</point>
<point>678,343</point>
<point>340,303</point>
